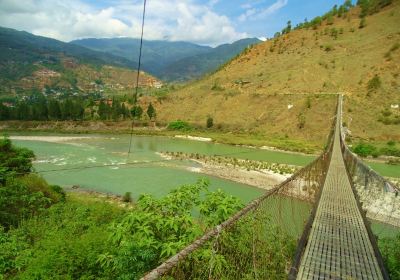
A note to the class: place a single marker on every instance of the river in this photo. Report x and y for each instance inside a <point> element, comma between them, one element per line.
<point>102,163</point>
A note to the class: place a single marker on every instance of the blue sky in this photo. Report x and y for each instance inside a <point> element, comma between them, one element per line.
<point>207,22</point>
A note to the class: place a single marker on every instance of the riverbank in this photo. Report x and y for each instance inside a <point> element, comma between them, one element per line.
<point>258,174</point>
<point>50,139</point>
<point>95,196</point>
<point>239,138</point>
<point>384,207</point>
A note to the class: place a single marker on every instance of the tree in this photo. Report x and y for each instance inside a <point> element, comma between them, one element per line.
<point>78,111</point>
<point>4,112</point>
<point>210,122</point>
<point>362,23</point>
<point>374,84</point>
<point>159,227</point>
<point>288,28</point>
<point>103,110</point>
<point>54,110</point>
<point>21,194</point>
<point>116,109</point>
<point>23,111</point>
<point>67,109</point>
<point>151,111</point>
<point>124,111</point>
<point>137,112</point>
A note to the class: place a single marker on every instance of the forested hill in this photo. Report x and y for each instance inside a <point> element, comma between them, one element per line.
<point>33,62</point>
<point>172,61</point>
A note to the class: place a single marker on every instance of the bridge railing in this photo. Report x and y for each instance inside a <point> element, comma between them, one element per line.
<point>259,241</point>
<point>379,197</point>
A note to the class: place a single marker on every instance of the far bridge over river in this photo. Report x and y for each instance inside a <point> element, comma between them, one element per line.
<point>335,240</point>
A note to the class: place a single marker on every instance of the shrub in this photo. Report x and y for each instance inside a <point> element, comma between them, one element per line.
<point>362,23</point>
<point>364,150</point>
<point>395,47</point>
<point>127,197</point>
<point>179,125</point>
<point>301,121</point>
<point>391,143</point>
<point>210,122</point>
<point>386,113</point>
<point>375,83</point>
<point>390,151</point>
<point>389,248</point>
<point>217,87</point>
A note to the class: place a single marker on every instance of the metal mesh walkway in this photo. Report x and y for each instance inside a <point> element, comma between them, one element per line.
<point>338,245</point>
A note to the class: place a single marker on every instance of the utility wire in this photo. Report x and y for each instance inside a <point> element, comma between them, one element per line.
<point>138,74</point>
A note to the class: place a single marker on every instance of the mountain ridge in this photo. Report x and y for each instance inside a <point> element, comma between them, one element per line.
<point>161,57</point>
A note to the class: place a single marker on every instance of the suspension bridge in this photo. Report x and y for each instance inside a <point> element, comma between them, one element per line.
<point>325,206</point>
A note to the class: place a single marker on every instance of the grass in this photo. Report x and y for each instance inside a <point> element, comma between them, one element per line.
<point>385,169</point>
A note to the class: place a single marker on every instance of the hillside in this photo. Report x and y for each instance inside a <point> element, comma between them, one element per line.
<point>195,66</point>
<point>171,61</point>
<point>281,89</point>
<point>33,62</point>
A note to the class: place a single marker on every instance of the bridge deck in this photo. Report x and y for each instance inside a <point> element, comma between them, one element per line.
<point>338,245</point>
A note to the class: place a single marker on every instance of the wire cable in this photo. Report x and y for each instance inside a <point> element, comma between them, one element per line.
<point>138,73</point>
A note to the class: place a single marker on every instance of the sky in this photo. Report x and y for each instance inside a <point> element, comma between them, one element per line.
<point>204,22</point>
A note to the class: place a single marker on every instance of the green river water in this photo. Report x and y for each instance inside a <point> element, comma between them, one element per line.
<point>95,163</point>
<point>145,171</point>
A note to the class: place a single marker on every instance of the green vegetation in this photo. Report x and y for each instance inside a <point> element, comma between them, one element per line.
<point>389,248</point>
<point>22,195</point>
<point>38,107</point>
<point>364,149</point>
<point>179,125</point>
<point>374,84</point>
<point>387,117</point>
<point>137,112</point>
<point>369,7</point>
<point>301,120</point>
<point>151,112</point>
<point>363,23</point>
<point>210,122</point>
<point>44,236</point>
<point>127,197</point>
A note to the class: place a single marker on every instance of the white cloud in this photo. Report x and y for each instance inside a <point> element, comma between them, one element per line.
<point>261,13</point>
<point>67,20</point>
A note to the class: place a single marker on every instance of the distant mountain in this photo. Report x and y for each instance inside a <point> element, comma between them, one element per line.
<point>170,60</point>
<point>33,62</point>
<point>21,45</point>
<point>195,66</point>
<point>156,55</point>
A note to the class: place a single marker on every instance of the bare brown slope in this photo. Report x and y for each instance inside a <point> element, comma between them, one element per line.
<point>252,93</point>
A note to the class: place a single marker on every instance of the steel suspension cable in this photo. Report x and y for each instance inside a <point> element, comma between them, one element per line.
<point>138,74</point>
